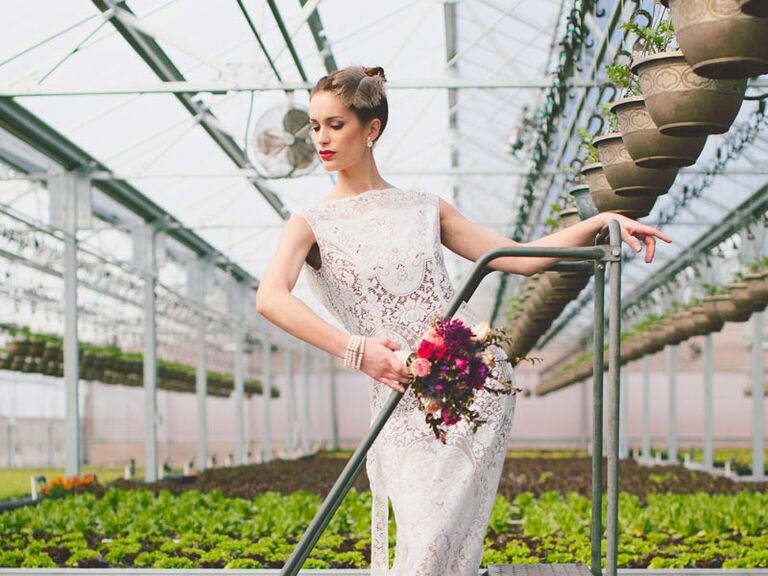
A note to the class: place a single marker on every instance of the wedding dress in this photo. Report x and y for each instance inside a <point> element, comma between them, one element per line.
<point>382,274</point>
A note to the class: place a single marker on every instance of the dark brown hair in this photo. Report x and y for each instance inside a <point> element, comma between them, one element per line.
<point>361,89</point>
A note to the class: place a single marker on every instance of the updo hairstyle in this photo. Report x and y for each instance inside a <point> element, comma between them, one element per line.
<point>361,89</point>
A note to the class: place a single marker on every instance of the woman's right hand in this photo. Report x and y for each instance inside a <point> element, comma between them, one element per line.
<point>381,363</point>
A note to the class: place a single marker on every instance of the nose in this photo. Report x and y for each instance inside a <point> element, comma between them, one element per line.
<point>321,136</point>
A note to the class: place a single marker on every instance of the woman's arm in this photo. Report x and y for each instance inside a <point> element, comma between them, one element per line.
<point>471,241</point>
<point>275,302</point>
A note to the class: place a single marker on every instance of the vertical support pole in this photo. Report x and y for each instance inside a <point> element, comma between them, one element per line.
<point>614,397</point>
<point>624,420</point>
<point>334,408</point>
<point>672,417</point>
<point>709,406</point>
<point>305,414</point>
<point>148,264</point>
<point>9,443</point>
<point>758,402</point>
<point>288,387</point>
<point>584,418</point>
<point>321,402</point>
<point>71,210</point>
<point>239,384</point>
<point>199,274</point>
<point>50,443</point>
<point>266,364</point>
<point>646,448</point>
<point>597,422</point>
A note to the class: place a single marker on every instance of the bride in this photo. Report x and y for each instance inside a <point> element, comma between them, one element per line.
<point>373,255</point>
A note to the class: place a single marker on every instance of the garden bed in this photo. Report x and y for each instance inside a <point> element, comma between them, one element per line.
<point>252,516</point>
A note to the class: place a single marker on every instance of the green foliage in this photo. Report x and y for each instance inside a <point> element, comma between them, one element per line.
<point>192,530</point>
<point>652,39</point>
<point>591,154</point>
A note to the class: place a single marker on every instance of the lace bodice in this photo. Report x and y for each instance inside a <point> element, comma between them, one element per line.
<point>382,273</point>
<point>381,261</point>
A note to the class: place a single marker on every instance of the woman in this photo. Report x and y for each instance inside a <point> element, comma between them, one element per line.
<point>373,257</point>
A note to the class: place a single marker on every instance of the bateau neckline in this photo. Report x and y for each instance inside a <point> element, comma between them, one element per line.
<point>356,196</point>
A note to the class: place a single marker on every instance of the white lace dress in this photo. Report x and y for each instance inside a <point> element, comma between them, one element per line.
<point>382,274</point>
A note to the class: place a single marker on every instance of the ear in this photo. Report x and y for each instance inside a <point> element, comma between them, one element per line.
<point>374,127</point>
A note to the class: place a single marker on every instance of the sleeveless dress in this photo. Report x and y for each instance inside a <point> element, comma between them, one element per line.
<point>382,274</point>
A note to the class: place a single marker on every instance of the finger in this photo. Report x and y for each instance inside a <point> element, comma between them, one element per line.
<point>660,234</point>
<point>395,385</point>
<point>630,240</point>
<point>391,345</point>
<point>650,248</point>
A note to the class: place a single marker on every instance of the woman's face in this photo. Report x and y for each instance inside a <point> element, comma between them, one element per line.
<point>338,130</point>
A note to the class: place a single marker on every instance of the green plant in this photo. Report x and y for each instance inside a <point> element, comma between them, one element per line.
<point>654,38</point>
<point>591,155</point>
<point>621,76</point>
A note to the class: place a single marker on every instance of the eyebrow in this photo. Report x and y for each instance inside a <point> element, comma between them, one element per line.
<point>328,118</point>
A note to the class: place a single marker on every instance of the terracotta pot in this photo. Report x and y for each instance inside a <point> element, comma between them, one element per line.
<point>719,40</point>
<point>564,280</point>
<point>607,201</point>
<point>743,297</point>
<point>681,102</point>
<point>584,203</point>
<point>685,323</point>
<point>710,308</point>
<point>758,289</point>
<point>568,217</point>
<point>728,311</point>
<point>754,7</point>
<point>624,176</point>
<point>705,323</point>
<point>648,147</point>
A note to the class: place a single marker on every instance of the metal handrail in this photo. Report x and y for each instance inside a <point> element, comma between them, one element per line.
<point>599,255</point>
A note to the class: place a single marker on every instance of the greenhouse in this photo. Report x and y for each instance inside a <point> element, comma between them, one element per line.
<point>520,332</point>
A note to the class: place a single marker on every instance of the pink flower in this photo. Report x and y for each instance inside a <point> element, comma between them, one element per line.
<point>434,337</point>
<point>448,419</point>
<point>426,349</point>
<point>421,367</point>
<point>481,331</point>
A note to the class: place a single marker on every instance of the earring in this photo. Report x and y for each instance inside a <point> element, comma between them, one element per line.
<point>370,143</point>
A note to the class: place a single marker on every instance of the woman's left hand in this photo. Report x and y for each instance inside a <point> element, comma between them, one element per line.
<point>635,234</point>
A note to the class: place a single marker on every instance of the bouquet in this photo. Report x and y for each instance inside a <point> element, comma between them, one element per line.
<point>451,364</point>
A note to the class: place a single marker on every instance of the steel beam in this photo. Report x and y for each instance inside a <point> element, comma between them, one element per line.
<point>709,411</point>
<point>672,404</point>
<point>758,396</point>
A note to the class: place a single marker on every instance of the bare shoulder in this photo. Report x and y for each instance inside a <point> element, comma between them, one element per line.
<point>448,211</point>
<point>297,229</point>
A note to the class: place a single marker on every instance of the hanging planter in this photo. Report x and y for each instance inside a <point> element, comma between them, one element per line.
<point>757,288</point>
<point>607,201</point>
<point>624,176</point>
<point>648,147</point>
<point>683,103</point>
<point>727,309</point>
<point>584,203</point>
<point>754,7</point>
<point>719,40</point>
<point>710,309</point>
<point>742,297</point>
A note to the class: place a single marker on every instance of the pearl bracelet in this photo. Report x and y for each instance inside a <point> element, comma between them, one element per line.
<point>353,356</point>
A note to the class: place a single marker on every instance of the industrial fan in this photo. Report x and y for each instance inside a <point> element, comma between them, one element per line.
<point>281,141</point>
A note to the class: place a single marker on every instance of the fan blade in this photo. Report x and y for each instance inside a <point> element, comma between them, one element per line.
<point>270,142</point>
<point>301,154</point>
<point>295,120</point>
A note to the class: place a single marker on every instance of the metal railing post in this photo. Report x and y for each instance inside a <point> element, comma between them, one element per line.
<point>614,370</point>
<point>597,421</point>
<point>355,464</point>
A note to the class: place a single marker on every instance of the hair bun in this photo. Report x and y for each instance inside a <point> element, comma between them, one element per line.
<point>374,71</point>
